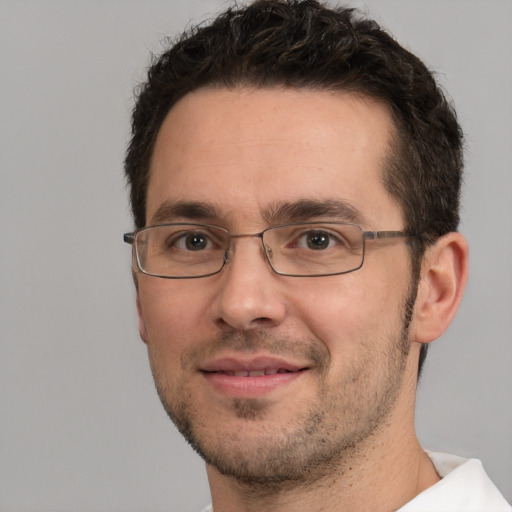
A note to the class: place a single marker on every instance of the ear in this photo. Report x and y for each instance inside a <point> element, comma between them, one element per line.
<point>142,323</point>
<point>443,279</point>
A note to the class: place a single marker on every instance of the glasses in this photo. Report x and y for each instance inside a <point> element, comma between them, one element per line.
<point>309,249</point>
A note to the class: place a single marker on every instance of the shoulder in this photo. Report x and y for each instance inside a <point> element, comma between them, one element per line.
<point>464,487</point>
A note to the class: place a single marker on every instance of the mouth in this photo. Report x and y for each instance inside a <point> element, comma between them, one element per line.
<point>256,373</point>
<point>251,378</point>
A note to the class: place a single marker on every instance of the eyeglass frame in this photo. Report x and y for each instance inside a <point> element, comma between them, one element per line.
<point>130,238</point>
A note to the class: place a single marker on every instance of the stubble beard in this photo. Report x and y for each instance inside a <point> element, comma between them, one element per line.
<point>317,442</point>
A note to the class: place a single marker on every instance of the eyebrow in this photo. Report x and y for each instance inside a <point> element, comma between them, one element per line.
<point>279,212</point>
<point>307,209</point>
<point>170,211</point>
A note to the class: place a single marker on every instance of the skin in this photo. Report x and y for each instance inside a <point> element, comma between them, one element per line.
<point>341,430</point>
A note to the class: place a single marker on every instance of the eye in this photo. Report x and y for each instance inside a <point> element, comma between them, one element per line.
<point>190,241</point>
<point>318,240</point>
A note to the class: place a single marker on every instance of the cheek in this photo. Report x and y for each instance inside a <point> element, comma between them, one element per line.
<point>344,313</point>
<point>172,314</point>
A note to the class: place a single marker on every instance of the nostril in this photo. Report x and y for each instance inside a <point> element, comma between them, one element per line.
<point>262,321</point>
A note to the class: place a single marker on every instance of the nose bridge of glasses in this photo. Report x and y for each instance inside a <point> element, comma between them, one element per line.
<point>246,236</point>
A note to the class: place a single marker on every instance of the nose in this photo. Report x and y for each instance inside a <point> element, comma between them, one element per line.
<point>250,296</point>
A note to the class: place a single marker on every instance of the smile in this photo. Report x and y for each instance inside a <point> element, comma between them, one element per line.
<point>251,378</point>
<point>256,373</point>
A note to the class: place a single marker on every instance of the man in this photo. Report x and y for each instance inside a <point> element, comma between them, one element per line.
<point>295,178</point>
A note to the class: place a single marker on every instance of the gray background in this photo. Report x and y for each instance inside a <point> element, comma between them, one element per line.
<point>81,428</point>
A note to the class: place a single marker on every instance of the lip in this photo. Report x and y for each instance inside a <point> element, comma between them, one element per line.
<point>252,377</point>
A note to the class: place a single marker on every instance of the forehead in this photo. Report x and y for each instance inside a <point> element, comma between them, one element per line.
<point>247,151</point>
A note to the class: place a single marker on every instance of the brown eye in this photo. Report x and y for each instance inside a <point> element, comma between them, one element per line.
<point>196,242</point>
<point>190,241</point>
<point>318,240</point>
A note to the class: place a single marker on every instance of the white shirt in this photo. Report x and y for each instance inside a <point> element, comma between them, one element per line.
<point>464,487</point>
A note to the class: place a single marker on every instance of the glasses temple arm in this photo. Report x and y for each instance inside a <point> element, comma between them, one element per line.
<point>374,235</point>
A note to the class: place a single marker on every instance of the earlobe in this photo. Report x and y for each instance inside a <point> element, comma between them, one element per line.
<point>142,322</point>
<point>441,287</point>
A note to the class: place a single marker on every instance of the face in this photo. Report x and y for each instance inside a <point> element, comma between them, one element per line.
<point>267,375</point>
